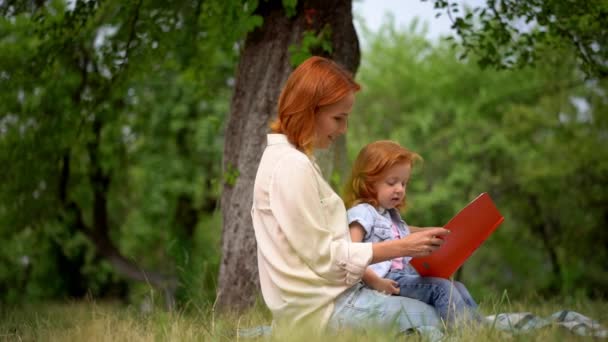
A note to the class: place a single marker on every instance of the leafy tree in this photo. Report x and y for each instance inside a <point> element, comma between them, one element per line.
<point>114,128</point>
<point>264,65</point>
<point>113,119</point>
<point>507,33</point>
<point>111,139</point>
<point>532,138</point>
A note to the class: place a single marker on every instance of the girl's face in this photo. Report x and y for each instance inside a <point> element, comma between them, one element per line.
<point>391,188</point>
<point>332,121</point>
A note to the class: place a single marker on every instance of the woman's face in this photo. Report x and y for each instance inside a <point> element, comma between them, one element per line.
<point>332,121</point>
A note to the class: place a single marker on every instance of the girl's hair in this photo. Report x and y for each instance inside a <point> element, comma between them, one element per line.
<point>317,82</point>
<point>370,166</point>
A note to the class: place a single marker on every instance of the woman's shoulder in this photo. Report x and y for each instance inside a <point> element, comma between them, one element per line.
<point>287,158</point>
<point>292,165</point>
<point>290,153</point>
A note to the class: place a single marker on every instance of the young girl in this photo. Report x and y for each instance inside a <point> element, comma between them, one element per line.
<point>376,191</point>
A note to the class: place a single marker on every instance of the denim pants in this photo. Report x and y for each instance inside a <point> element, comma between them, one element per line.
<point>451,299</point>
<point>362,308</point>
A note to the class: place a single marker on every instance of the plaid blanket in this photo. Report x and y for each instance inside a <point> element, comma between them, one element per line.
<point>515,323</point>
<point>525,321</point>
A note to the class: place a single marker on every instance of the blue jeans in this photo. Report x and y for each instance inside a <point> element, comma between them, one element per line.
<point>360,308</point>
<point>451,299</point>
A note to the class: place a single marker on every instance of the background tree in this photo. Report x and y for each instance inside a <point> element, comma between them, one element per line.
<point>530,137</point>
<point>111,134</point>
<point>493,35</point>
<point>320,27</point>
<point>113,118</point>
<point>508,33</point>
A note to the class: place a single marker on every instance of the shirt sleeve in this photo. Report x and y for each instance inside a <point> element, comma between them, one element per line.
<point>361,214</point>
<point>296,204</point>
<point>406,227</point>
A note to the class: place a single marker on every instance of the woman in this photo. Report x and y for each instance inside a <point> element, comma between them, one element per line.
<point>309,269</point>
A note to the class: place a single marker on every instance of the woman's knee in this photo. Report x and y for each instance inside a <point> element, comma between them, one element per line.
<point>411,312</point>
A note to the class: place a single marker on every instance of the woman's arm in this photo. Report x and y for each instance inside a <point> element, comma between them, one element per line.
<point>414,229</point>
<point>421,243</point>
<point>295,204</point>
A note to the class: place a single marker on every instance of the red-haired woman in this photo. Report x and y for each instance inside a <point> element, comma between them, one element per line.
<point>309,268</point>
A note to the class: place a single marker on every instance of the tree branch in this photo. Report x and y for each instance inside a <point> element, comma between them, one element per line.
<point>131,36</point>
<point>99,233</point>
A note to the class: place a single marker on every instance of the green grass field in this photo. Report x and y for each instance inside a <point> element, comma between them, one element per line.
<point>107,321</point>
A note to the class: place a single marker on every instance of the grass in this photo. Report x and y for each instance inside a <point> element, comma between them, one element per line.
<point>108,321</point>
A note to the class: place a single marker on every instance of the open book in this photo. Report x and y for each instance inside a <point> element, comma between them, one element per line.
<point>469,229</point>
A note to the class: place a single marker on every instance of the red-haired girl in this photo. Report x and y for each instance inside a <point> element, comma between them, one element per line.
<point>309,268</point>
<point>376,191</point>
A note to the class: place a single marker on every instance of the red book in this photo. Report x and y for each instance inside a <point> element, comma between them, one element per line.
<point>468,230</point>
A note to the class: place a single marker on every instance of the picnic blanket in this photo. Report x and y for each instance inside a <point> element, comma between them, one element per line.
<point>523,322</point>
<point>515,323</point>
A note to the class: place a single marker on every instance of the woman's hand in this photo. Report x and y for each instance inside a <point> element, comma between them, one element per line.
<point>425,241</point>
<point>420,243</point>
<point>386,286</point>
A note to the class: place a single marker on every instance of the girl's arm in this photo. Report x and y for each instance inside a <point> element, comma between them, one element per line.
<point>384,285</point>
<point>370,277</point>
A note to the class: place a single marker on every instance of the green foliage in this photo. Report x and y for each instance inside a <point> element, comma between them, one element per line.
<point>512,33</point>
<point>533,138</point>
<point>312,42</point>
<point>123,100</point>
<point>290,7</point>
<point>112,120</point>
<point>231,175</point>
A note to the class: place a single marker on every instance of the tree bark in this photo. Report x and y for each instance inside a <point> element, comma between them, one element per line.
<point>263,68</point>
<point>543,230</point>
<point>99,229</point>
<point>98,233</point>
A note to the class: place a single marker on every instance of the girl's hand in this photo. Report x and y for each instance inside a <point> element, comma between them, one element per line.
<point>386,286</point>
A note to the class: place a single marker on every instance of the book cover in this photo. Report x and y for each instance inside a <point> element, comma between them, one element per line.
<point>468,230</point>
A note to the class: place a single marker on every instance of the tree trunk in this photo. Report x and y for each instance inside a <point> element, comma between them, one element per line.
<point>263,68</point>
<point>334,163</point>
<point>99,230</point>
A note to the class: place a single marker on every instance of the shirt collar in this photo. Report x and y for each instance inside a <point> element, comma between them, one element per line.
<point>392,213</point>
<point>275,139</point>
<point>383,211</point>
<point>280,139</point>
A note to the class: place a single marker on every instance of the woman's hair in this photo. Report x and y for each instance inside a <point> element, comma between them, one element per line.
<point>370,166</point>
<point>317,82</point>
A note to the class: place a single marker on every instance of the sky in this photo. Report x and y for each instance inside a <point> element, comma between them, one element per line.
<point>373,12</point>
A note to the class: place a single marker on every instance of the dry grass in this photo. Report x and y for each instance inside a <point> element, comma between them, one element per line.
<point>92,321</point>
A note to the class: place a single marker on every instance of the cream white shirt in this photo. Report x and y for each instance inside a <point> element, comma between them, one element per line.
<point>305,255</point>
